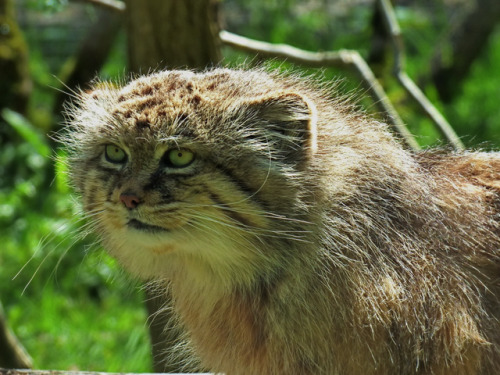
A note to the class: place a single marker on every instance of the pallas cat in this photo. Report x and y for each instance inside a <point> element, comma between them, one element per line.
<point>297,235</point>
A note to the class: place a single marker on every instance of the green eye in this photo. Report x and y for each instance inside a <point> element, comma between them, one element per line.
<point>115,154</point>
<point>179,158</point>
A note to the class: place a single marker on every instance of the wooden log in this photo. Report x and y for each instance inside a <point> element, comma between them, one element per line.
<point>53,372</point>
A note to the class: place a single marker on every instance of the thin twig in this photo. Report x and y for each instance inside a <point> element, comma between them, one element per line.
<point>340,59</point>
<point>408,84</point>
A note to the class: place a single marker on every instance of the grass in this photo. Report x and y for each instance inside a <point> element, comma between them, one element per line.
<point>71,307</point>
<point>68,302</point>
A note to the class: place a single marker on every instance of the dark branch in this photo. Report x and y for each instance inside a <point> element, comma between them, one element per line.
<point>430,110</point>
<point>12,353</point>
<point>468,40</point>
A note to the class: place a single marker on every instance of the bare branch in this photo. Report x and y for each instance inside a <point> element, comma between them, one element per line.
<point>382,101</point>
<point>285,51</point>
<point>115,5</point>
<point>408,84</point>
<point>349,59</point>
<point>12,353</point>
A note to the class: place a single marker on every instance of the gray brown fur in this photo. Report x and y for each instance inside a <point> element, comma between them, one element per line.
<point>303,239</point>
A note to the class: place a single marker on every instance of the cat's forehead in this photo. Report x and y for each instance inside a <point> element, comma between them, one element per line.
<point>174,101</point>
<point>172,92</point>
<point>180,103</point>
<point>149,100</point>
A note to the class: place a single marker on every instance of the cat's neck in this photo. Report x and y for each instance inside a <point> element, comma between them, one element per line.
<point>225,325</point>
<point>246,323</point>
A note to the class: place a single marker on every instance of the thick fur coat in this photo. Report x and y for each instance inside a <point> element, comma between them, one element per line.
<point>297,235</point>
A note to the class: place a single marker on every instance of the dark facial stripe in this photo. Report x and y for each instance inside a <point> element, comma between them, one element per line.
<point>157,179</point>
<point>228,211</point>
<point>112,185</point>
<point>105,170</point>
<point>243,187</point>
<point>89,195</point>
<point>83,172</point>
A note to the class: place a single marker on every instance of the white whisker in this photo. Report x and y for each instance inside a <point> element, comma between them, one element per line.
<point>256,232</point>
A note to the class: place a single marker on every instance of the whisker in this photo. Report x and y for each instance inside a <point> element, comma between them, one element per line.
<point>249,211</point>
<point>79,223</point>
<point>210,230</point>
<point>247,228</point>
<point>258,232</point>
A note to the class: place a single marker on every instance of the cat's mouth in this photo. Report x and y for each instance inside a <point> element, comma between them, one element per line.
<point>139,225</point>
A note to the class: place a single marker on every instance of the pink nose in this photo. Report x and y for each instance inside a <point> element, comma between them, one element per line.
<point>130,200</point>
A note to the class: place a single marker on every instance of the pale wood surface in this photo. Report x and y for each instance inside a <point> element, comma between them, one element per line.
<point>53,372</point>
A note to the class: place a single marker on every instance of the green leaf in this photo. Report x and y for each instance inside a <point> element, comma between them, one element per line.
<point>26,130</point>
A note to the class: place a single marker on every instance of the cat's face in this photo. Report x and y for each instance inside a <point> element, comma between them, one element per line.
<point>169,170</point>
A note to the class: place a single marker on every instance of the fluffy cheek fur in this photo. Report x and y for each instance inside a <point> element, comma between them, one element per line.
<point>202,242</point>
<point>199,254</point>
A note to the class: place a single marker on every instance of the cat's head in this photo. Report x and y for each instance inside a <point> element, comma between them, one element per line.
<point>207,169</point>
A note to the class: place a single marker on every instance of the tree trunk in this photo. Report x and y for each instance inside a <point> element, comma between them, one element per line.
<point>15,82</point>
<point>92,53</point>
<point>170,34</point>
<point>166,336</point>
<point>380,42</point>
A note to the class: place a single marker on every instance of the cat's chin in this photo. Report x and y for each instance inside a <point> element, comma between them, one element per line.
<point>144,251</point>
<point>141,226</point>
<point>147,236</point>
<point>134,236</point>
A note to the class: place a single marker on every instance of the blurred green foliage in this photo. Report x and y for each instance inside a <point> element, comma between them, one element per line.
<point>65,298</point>
<point>476,113</point>
<point>46,5</point>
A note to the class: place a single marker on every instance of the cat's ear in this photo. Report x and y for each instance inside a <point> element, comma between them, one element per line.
<point>289,119</point>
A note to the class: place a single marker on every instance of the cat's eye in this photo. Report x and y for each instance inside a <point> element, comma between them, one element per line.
<point>179,158</point>
<point>115,154</point>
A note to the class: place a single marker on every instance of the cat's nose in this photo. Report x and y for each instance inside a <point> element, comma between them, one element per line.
<point>130,200</point>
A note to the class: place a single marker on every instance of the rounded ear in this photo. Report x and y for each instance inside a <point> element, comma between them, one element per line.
<point>289,119</point>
